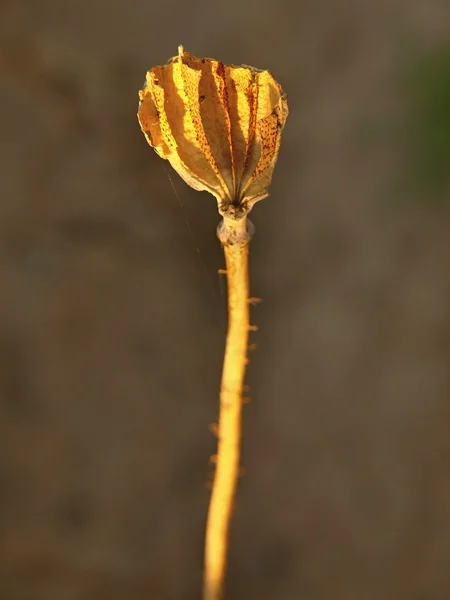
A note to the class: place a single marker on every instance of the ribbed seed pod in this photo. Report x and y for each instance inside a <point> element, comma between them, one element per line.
<point>219,126</point>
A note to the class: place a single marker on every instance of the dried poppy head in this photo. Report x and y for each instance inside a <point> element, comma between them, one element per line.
<point>219,127</point>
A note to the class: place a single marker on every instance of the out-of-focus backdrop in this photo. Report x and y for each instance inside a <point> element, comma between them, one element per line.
<point>112,314</point>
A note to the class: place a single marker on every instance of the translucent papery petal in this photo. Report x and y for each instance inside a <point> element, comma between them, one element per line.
<point>219,126</point>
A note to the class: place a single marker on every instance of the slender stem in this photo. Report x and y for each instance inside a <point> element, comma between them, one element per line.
<point>235,237</point>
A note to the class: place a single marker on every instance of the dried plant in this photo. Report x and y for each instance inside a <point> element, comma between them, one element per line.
<point>220,128</point>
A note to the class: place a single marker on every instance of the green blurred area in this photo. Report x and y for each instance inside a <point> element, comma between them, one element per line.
<point>426,86</point>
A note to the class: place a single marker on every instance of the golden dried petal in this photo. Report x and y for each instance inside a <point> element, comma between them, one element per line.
<point>271,114</point>
<point>219,126</point>
<point>241,92</point>
<point>214,115</point>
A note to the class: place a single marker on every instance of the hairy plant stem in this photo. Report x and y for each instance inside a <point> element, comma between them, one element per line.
<point>235,237</point>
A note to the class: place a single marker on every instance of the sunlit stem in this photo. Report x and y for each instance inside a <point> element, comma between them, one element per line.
<point>235,236</point>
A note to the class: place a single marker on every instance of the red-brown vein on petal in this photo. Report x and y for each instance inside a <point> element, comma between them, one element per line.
<point>237,81</point>
<point>187,80</point>
<point>267,120</point>
<point>269,137</point>
<point>172,110</point>
<point>220,78</point>
<point>253,149</point>
<point>272,114</point>
<point>213,116</point>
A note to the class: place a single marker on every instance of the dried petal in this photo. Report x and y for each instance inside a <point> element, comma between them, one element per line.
<point>219,126</point>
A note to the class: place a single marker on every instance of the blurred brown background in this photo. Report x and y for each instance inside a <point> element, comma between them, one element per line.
<point>112,314</point>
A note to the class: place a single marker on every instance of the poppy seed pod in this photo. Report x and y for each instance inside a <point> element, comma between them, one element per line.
<point>219,126</point>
